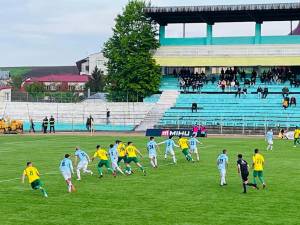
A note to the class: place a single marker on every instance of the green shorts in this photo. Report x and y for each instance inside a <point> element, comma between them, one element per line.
<point>132,159</point>
<point>258,173</point>
<point>185,151</point>
<point>122,158</point>
<point>36,184</point>
<point>103,163</point>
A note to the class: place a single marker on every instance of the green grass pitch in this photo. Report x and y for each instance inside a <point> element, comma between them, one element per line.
<point>185,193</point>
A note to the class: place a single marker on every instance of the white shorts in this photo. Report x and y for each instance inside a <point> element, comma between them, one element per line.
<point>169,151</point>
<point>83,164</point>
<point>114,164</point>
<point>194,150</point>
<point>222,172</point>
<point>270,142</point>
<point>151,156</point>
<point>66,175</point>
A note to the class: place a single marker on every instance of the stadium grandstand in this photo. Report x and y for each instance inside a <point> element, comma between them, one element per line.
<point>234,82</point>
<point>228,84</point>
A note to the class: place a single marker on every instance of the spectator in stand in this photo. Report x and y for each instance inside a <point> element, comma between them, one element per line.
<point>107,116</point>
<point>89,122</point>
<point>238,92</point>
<point>223,85</point>
<point>45,125</point>
<point>293,101</point>
<point>245,91</point>
<point>265,92</point>
<point>285,92</point>
<point>285,103</point>
<point>52,123</point>
<point>194,107</point>
<point>259,91</point>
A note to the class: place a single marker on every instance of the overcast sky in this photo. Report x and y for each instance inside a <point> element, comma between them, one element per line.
<point>60,32</point>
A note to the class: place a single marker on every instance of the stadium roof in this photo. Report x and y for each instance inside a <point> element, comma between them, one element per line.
<point>225,13</point>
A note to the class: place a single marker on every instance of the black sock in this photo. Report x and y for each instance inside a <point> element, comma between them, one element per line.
<point>244,186</point>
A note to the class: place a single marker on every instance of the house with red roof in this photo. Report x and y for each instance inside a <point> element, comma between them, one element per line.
<point>59,82</point>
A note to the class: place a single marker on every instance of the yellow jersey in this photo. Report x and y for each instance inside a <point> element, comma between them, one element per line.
<point>32,173</point>
<point>131,151</point>
<point>101,154</point>
<point>297,133</point>
<point>183,143</point>
<point>258,162</point>
<point>121,149</point>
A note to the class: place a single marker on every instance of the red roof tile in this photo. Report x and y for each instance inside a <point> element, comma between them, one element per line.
<point>60,78</point>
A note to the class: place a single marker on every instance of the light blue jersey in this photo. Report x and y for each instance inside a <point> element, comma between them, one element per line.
<point>222,161</point>
<point>113,153</point>
<point>151,146</point>
<point>193,143</point>
<point>269,135</point>
<point>169,144</point>
<point>66,166</point>
<point>82,155</point>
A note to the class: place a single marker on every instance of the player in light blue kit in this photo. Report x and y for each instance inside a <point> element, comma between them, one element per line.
<point>222,164</point>
<point>170,144</point>
<point>66,169</point>
<point>114,155</point>
<point>193,145</point>
<point>152,151</point>
<point>83,163</point>
<point>269,139</point>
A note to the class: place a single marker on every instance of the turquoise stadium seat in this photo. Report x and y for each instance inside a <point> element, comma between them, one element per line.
<point>227,110</point>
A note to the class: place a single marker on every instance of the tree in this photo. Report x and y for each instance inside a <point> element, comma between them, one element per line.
<point>132,71</point>
<point>16,82</point>
<point>35,88</point>
<point>97,81</point>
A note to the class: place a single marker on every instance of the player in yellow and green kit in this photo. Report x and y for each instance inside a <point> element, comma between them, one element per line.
<point>258,167</point>
<point>121,151</point>
<point>131,156</point>
<point>101,153</point>
<point>296,136</point>
<point>33,176</point>
<point>184,146</point>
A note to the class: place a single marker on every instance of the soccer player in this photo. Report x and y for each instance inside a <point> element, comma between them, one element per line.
<point>222,163</point>
<point>101,153</point>
<point>66,169</point>
<point>113,154</point>
<point>131,152</point>
<point>33,176</point>
<point>152,147</point>
<point>184,145</point>
<point>193,146</point>
<point>258,167</point>
<point>243,171</point>
<point>169,148</point>
<point>269,139</point>
<point>121,151</point>
<point>296,136</point>
<point>84,160</point>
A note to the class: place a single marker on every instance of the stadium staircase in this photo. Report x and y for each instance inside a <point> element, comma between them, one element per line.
<point>166,101</point>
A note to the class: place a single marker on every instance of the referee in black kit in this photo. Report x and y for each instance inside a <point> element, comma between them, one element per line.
<point>244,172</point>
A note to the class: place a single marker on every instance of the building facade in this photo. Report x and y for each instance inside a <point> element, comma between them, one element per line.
<point>88,64</point>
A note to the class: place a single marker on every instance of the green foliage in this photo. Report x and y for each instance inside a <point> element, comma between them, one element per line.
<point>35,88</point>
<point>97,81</point>
<point>131,67</point>
<point>16,81</point>
<point>17,76</point>
<point>182,194</point>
